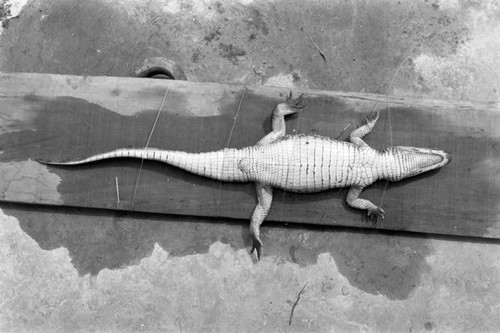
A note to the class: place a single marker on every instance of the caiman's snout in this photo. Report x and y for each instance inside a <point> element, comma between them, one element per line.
<point>414,161</point>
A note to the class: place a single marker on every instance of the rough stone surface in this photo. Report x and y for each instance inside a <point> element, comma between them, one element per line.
<point>83,270</point>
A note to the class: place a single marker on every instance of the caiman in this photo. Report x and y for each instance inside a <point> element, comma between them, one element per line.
<point>296,163</point>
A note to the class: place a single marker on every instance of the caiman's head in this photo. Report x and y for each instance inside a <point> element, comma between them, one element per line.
<point>410,161</point>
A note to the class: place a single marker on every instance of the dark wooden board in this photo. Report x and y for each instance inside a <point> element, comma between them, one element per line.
<point>65,117</point>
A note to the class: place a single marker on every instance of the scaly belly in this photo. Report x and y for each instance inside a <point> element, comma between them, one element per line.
<point>312,164</point>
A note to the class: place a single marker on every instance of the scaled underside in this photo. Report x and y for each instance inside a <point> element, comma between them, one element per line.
<point>265,189</point>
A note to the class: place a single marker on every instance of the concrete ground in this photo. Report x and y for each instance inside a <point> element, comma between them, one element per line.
<point>83,270</point>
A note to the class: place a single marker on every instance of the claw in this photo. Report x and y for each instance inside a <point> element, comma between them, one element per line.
<point>297,103</point>
<point>257,247</point>
<point>373,117</point>
<point>374,214</point>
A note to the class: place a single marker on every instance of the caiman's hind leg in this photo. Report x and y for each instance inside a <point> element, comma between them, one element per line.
<point>357,135</point>
<point>265,192</point>
<point>290,106</point>
<point>264,200</point>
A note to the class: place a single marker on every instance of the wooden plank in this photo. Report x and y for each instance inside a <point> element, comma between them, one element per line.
<point>65,117</point>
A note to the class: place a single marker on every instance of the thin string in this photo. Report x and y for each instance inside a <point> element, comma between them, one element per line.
<point>147,144</point>
<point>236,116</point>
<point>389,118</point>
<point>117,191</point>
<point>288,169</point>
<point>228,141</point>
<point>387,94</point>
<point>340,188</point>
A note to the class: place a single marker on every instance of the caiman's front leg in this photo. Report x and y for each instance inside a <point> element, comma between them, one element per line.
<point>264,200</point>
<point>354,201</point>
<point>357,135</point>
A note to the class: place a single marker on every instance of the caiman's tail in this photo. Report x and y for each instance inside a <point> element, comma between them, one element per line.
<point>146,154</point>
<point>220,165</point>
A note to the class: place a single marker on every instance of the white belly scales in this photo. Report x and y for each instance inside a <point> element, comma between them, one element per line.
<point>310,164</point>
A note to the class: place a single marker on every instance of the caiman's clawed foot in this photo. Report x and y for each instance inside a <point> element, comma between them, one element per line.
<point>297,103</point>
<point>257,246</point>
<point>375,214</point>
<point>372,119</point>
<point>264,200</point>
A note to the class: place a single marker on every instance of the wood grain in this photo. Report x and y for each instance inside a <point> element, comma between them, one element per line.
<point>65,117</point>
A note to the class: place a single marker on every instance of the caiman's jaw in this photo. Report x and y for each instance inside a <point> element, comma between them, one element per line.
<point>411,161</point>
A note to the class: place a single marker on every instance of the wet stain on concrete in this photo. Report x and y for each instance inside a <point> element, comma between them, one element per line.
<point>96,239</point>
<point>102,239</point>
<point>162,292</point>
<point>372,262</point>
<point>27,182</point>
